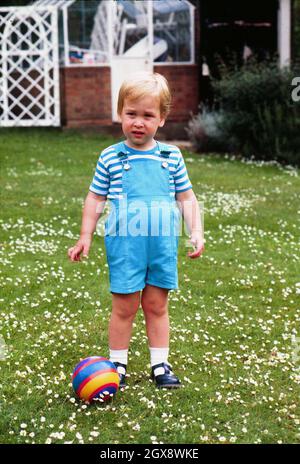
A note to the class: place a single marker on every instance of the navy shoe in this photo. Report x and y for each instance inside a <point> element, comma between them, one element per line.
<point>163,376</point>
<point>121,369</point>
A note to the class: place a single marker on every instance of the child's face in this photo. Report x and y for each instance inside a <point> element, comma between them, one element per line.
<point>140,121</point>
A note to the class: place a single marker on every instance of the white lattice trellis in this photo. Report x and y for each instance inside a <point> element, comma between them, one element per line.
<point>29,75</point>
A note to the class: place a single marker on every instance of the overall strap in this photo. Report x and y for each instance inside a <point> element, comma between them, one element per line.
<point>164,149</point>
<point>164,152</point>
<point>121,150</point>
<point>123,155</point>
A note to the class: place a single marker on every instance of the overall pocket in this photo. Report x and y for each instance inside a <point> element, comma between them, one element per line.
<point>116,248</point>
<point>116,238</point>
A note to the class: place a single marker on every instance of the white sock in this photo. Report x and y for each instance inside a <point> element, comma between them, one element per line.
<point>158,355</point>
<point>120,356</point>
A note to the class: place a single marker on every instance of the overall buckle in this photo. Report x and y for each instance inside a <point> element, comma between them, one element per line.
<point>165,154</point>
<point>124,160</point>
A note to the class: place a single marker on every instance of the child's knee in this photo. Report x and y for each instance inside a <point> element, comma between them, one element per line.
<point>154,306</point>
<point>125,308</point>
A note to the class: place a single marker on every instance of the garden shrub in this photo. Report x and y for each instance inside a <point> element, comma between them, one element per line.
<point>256,116</point>
<point>204,130</point>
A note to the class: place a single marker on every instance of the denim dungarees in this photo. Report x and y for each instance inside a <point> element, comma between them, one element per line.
<point>142,229</point>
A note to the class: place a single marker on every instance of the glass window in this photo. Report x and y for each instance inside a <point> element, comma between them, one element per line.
<point>88,24</point>
<point>87,29</point>
<point>130,28</point>
<point>172,31</point>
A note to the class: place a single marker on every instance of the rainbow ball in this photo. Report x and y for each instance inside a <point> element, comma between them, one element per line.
<point>95,377</point>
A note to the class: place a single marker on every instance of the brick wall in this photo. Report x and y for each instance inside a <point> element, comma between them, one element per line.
<point>183,81</point>
<point>86,94</point>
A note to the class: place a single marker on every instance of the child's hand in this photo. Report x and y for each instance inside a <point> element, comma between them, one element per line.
<point>198,245</point>
<point>82,246</point>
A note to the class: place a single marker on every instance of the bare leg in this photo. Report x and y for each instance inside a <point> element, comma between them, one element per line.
<point>155,306</point>
<point>124,309</point>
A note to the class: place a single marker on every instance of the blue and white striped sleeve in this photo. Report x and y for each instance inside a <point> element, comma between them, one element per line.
<point>181,178</point>
<point>101,180</point>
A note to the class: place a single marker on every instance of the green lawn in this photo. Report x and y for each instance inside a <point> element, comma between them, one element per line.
<point>234,320</point>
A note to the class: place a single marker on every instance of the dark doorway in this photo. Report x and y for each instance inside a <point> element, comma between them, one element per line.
<point>233,31</point>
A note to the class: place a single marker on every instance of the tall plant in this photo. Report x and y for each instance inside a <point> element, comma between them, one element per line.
<point>259,117</point>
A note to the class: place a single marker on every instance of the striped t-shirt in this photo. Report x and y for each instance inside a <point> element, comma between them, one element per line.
<point>107,180</point>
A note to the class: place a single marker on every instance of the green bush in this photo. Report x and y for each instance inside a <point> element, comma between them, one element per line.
<point>260,119</point>
<point>253,115</point>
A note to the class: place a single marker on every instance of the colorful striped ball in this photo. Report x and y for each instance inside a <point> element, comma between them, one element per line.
<point>95,377</point>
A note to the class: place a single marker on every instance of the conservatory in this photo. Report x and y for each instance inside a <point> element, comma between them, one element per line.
<point>79,52</point>
<point>97,32</point>
<point>62,61</point>
<point>126,35</point>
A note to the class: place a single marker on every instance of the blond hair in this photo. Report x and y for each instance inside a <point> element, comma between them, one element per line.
<point>143,84</point>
